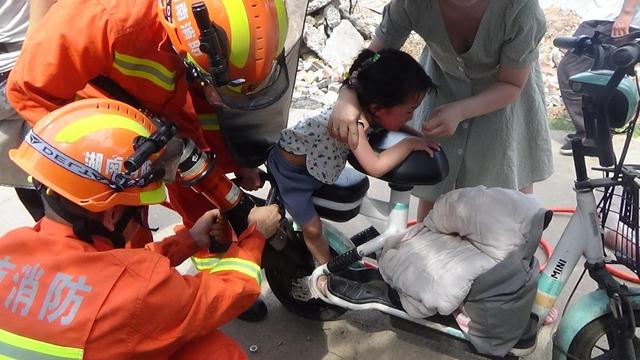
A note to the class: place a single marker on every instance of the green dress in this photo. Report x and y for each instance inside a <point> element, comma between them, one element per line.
<point>508,148</point>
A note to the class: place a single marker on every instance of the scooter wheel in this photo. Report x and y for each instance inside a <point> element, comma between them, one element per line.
<point>283,267</point>
<point>595,341</point>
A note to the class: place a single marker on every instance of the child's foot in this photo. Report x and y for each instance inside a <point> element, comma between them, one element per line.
<point>322,285</point>
<point>462,319</point>
<point>551,317</point>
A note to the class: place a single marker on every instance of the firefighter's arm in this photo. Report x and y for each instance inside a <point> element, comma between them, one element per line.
<point>186,243</point>
<point>60,57</point>
<point>177,248</point>
<point>194,305</point>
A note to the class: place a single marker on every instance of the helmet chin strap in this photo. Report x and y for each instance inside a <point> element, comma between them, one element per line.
<point>84,228</point>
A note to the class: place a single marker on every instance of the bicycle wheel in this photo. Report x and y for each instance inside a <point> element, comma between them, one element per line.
<point>283,267</point>
<point>595,341</point>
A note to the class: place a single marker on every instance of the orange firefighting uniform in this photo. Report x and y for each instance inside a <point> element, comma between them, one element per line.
<point>79,40</point>
<point>61,298</point>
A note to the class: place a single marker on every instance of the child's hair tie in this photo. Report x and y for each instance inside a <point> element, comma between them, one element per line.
<point>352,81</point>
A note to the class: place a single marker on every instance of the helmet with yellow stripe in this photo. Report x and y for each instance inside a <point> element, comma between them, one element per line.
<point>79,151</point>
<point>233,48</point>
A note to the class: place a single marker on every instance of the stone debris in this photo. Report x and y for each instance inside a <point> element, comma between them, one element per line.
<point>342,47</point>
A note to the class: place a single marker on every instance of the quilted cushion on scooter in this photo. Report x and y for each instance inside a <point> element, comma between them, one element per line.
<point>469,233</point>
<point>432,272</point>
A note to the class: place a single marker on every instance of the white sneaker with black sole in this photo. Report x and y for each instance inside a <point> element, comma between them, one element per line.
<point>566,148</point>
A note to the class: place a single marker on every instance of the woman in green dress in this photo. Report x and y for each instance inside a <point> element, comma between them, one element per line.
<point>489,113</point>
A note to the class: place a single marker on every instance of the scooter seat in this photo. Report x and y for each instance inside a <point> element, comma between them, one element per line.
<point>417,169</point>
<point>362,286</point>
<point>341,200</point>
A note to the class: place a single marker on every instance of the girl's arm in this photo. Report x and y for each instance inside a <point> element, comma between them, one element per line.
<point>506,90</point>
<point>377,164</point>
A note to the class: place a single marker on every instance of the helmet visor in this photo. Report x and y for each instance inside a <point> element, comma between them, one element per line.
<point>269,92</point>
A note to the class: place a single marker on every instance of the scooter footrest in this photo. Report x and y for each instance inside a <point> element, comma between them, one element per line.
<point>372,291</point>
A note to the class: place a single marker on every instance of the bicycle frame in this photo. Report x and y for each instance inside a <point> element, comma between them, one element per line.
<point>580,237</point>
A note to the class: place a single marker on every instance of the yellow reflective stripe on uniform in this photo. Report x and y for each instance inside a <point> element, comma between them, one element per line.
<point>240,33</point>
<point>146,69</point>
<point>240,265</point>
<point>204,263</point>
<point>282,23</point>
<point>193,62</point>
<point>92,123</point>
<point>155,196</point>
<point>20,347</point>
<point>209,121</point>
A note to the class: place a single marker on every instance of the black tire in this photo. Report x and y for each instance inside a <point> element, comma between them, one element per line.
<point>294,261</point>
<point>595,340</point>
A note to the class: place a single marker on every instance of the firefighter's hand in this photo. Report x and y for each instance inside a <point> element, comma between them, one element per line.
<point>266,218</point>
<point>208,226</point>
<point>249,178</point>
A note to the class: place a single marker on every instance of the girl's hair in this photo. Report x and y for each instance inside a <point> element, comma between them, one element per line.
<point>387,78</point>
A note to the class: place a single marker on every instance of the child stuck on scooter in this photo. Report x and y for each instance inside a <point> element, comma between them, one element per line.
<point>389,85</point>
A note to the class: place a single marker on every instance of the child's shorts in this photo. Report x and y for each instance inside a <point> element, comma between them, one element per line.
<point>295,185</point>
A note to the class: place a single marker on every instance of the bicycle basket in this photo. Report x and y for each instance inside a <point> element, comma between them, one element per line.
<point>618,209</point>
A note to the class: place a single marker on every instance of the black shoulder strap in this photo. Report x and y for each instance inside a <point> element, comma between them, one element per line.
<point>115,91</point>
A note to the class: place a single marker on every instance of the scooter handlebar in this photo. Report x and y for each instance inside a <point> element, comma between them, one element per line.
<point>626,55</point>
<point>566,42</point>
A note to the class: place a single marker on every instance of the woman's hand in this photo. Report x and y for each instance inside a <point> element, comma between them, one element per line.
<point>443,121</point>
<point>343,120</point>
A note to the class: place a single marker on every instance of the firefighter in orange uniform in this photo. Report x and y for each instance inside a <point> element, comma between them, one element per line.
<point>68,290</point>
<point>153,52</point>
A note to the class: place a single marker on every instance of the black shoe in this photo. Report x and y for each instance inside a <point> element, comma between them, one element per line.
<point>528,341</point>
<point>525,346</point>
<point>257,312</point>
<point>566,149</point>
<point>569,137</point>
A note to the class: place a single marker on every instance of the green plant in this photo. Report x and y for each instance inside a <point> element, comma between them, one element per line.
<point>562,123</point>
